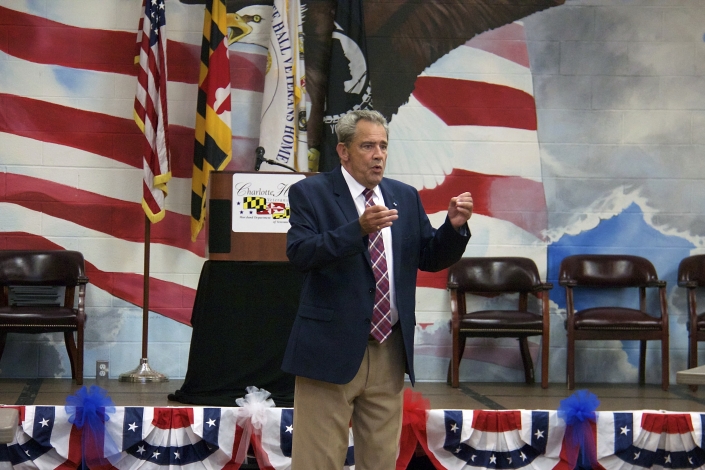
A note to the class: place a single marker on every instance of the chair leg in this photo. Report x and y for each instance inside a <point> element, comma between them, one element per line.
<point>3,340</point>
<point>526,359</point>
<point>570,362</point>
<point>79,356</point>
<point>642,362</point>
<point>692,354</point>
<point>454,366</point>
<point>665,363</point>
<point>544,360</point>
<point>71,349</point>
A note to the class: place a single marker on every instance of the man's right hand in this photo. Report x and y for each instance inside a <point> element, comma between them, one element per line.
<point>376,218</point>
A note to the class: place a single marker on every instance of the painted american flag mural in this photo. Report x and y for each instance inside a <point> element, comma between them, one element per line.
<point>471,123</point>
<point>71,152</point>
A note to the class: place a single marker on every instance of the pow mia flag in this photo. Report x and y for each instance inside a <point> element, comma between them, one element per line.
<point>348,78</point>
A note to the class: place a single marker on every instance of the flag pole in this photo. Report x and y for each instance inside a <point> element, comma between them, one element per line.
<point>144,373</point>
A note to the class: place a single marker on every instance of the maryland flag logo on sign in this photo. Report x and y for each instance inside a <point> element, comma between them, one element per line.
<point>254,202</point>
<point>282,215</point>
<point>278,210</point>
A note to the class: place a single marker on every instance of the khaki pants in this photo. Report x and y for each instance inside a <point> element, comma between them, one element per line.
<point>372,401</point>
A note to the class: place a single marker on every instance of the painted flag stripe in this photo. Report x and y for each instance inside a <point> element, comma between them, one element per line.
<point>97,212</point>
<point>111,51</point>
<point>115,138</point>
<point>89,173</point>
<point>515,199</point>
<point>472,103</point>
<point>111,137</point>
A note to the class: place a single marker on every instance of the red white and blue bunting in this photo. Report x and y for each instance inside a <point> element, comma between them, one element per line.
<point>49,437</point>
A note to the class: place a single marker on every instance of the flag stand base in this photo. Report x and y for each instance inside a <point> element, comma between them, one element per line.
<point>143,374</point>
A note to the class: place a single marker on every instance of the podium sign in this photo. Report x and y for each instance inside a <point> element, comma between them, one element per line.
<point>261,201</point>
<point>248,215</point>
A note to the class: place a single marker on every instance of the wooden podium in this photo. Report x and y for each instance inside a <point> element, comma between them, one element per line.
<point>245,306</point>
<point>223,243</point>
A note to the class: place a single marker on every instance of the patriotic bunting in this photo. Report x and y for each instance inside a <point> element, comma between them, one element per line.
<point>213,146</point>
<point>203,437</point>
<point>496,439</point>
<point>650,440</point>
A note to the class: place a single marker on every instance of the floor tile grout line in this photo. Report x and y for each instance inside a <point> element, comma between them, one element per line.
<point>491,404</point>
<point>29,392</point>
<point>687,396</point>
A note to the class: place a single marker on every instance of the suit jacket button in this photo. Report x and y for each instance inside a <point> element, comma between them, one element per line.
<point>372,290</point>
<point>367,320</point>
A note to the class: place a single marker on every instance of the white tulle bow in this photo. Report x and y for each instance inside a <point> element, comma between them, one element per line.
<point>252,418</point>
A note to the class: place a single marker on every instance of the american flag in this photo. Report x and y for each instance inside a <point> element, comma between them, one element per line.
<point>72,161</point>
<point>151,106</point>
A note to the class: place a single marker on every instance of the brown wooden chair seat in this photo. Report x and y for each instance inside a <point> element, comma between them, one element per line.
<point>19,269</point>
<point>585,274</point>
<point>495,276</point>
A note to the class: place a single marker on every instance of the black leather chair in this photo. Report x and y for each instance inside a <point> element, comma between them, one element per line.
<point>614,322</point>
<point>495,276</point>
<point>21,269</point>
<point>691,275</point>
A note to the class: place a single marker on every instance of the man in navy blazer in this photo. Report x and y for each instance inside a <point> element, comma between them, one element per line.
<point>343,374</point>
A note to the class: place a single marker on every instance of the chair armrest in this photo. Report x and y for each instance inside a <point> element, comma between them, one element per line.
<point>656,283</point>
<point>82,280</point>
<point>688,284</point>
<point>567,283</point>
<point>543,286</point>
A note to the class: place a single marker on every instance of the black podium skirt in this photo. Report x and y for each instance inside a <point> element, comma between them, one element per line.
<point>242,317</point>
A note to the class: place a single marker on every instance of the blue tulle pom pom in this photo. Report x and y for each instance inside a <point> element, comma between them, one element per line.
<point>578,407</point>
<point>89,406</point>
<point>89,410</point>
<point>578,412</point>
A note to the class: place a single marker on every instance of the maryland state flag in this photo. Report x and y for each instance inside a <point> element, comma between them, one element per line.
<point>348,79</point>
<point>213,146</point>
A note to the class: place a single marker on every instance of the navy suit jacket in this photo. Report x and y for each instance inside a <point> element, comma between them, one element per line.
<point>332,326</point>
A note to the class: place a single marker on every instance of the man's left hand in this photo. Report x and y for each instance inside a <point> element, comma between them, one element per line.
<point>460,210</point>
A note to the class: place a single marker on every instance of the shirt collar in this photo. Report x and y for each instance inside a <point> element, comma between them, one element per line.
<point>356,188</point>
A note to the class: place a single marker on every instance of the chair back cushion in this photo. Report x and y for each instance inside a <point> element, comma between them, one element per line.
<point>607,271</point>
<point>494,274</point>
<point>41,268</point>
<point>692,270</point>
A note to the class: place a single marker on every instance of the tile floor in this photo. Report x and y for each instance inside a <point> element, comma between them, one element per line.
<point>488,396</point>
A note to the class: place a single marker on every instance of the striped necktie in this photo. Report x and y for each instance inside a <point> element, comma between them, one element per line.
<point>381,315</point>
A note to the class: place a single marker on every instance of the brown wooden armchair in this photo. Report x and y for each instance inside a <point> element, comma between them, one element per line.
<point>691,275</point>
<point>614,322</point>
<point>22,269</point>
<point>498,276</point>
